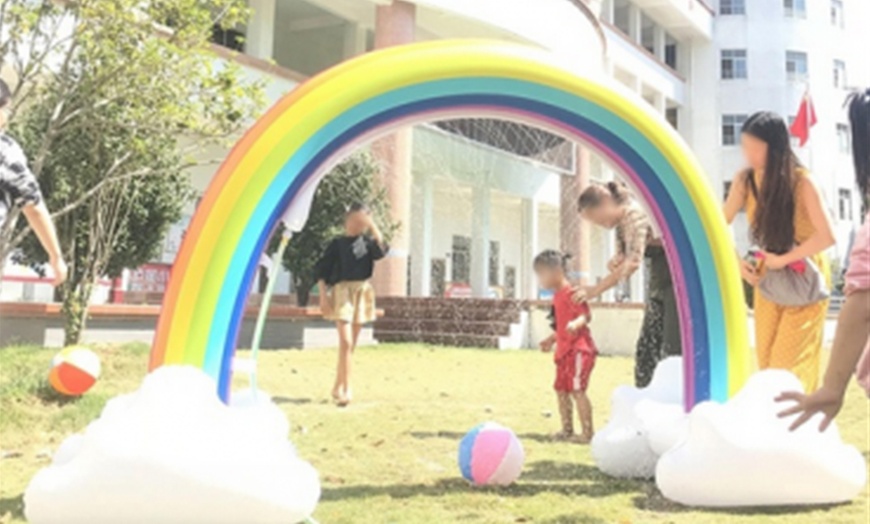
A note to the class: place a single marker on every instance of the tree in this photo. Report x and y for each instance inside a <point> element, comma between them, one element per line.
<point>117,100</point>
<point>354,180</point>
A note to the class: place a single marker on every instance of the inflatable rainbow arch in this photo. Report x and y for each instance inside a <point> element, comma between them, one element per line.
<point>278,163</point>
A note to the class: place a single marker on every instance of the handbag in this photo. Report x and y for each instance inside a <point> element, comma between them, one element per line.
<point>798,284</point>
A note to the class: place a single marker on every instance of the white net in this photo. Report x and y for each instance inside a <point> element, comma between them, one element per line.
<point>486,195</point>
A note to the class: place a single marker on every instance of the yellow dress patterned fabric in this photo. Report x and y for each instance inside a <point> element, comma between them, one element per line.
<point>791,337</point>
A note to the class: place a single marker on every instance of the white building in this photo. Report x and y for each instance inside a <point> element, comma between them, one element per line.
<point>767,55</point>
<point>486,195</point>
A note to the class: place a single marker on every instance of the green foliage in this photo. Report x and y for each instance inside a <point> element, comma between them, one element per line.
<point>354,180</point>
<point>116,100</point>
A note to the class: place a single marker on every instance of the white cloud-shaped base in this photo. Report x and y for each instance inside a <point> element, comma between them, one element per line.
<point>741,454</point>
<point>171,452</point>
<point>643,424</point>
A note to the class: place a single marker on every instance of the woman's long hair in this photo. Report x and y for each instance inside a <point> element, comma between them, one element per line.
<point>773,224</point>
<point>859,119</point>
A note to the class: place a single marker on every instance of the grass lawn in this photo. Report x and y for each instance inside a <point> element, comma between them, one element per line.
<point>391,456</point>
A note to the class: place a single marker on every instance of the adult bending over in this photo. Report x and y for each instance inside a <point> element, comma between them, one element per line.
<point>346,296</point>
<point>853,325</point>
<point>789,224</point>
<point>611,206</point>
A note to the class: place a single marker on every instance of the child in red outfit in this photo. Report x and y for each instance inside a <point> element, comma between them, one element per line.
<point>575,350</point>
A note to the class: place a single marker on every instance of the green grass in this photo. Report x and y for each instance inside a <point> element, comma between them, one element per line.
<point>390,457</point>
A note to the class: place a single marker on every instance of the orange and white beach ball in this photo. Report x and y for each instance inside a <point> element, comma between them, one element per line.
<point>74,370</point>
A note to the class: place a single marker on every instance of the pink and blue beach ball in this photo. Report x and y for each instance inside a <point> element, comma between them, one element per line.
<point>491,455</point>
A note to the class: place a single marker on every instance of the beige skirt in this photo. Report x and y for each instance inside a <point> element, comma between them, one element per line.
<point>353,302</point>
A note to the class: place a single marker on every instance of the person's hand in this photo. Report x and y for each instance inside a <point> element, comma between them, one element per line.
<point>774,261</point>
<point>546,345</point>
<point>580,293</point>
<point>749,273</point>
<point>325,306</point>
<point>573,327</point>
<point>825,400</point>
<point>60,270</point>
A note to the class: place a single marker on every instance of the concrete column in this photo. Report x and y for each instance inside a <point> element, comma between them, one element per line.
<point>660,103</point>
<point>354,40</point>
<point>638,86</point>
<point>423,227</point>
<point>395,24</point>
<point>260,35</point>
<point>575,235</point>
<point>635,23</point>
<point>480,236</point>
<point>607,11</point>
<point>659,42</point>
<point>530,243</point>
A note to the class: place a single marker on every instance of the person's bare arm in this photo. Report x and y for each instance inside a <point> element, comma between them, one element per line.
<point>38,217</point>
<point>626,261</point>
<point>822,237</point>
<point>375,231</point>
<point>736,199</point>
<point>620,272</point>
<point>734,203</point>
<point>547,344</point>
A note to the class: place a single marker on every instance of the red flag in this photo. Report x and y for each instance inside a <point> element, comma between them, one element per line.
<point>805,119</point>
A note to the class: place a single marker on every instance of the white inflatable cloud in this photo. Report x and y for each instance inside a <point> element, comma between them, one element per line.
<point>172,452</point>
<point>643,424</point>
<point>741,454</point>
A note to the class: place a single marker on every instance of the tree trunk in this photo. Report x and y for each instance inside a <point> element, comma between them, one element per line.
<point>75,313</point>
<point>303,291</point>
<point>3,256</point>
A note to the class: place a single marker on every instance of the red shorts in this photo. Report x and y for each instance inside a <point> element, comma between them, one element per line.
<point>573,371</point>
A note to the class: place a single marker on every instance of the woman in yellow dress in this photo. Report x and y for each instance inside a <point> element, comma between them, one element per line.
<point>788,221</point>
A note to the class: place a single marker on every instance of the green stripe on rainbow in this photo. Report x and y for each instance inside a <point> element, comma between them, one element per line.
<point>289,148</point>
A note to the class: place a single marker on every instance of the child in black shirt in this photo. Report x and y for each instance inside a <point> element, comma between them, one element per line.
<point>346,296</point>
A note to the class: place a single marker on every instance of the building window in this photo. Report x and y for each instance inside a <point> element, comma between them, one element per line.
<point>843,138</point>
<point>845,204</point>
<point>796,65</point>
<point>438,273</point>
<point>648,34</point>
<point>733,64</point>
<point>494,266</point>
<point>229,38</point>
<point>795,8</point>
<point>510,282</point>
<point>731,125</point>
<point>460,267</point>
<point>839,74</point>
<point>671,51</point>
<point>672,115</point>
<point>732,7</point>
<point>837,18</point>
<point>622,16</point>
